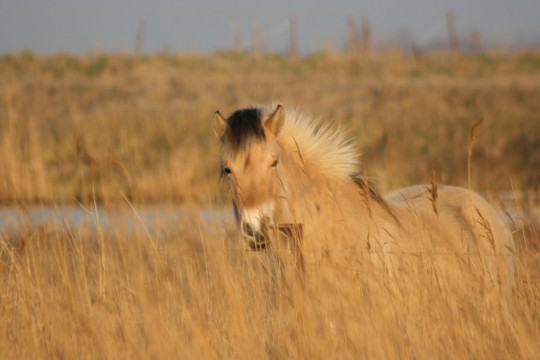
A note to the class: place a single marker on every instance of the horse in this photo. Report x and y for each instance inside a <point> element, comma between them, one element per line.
<point>291,174</point>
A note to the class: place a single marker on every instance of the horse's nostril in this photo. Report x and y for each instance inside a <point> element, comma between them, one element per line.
<point>256,239</point>
<point>247,229</point>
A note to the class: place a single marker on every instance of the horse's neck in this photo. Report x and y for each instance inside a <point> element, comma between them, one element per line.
<point>330,203</point>
<point>306,187</point>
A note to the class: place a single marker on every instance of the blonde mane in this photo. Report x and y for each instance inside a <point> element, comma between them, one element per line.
<point>320,146</point>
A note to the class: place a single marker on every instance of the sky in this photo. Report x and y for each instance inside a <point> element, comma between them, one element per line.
<point>203,26</point>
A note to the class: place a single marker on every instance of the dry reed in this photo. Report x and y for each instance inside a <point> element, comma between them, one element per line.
<point>472,140</point>
<point>116,129</point>
<point>140,126</point>
<point>194,292</point>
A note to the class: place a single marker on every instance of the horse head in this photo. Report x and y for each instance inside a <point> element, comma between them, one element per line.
<point>251,166</point>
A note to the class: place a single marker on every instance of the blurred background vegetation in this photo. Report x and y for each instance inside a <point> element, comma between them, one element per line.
<point>79,128</point>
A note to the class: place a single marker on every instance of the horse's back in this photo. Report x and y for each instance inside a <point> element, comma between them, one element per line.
<point>457,220</point>
<point>455,209</point>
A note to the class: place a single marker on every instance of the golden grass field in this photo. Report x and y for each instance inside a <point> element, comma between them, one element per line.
<point>125,132</point>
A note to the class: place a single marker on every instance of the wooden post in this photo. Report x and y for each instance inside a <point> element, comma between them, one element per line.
<point>257,40</point>
<point>367,45</point>
<point>451,28</point>
<point>416,50</point>
<point>352,38</point>
<point>476,47</point>
<point>293,34</point>
<point>141,27</point>
<point>237,39</point>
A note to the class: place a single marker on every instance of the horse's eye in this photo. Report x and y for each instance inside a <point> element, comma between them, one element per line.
<point>275,163</point>
<point>226,172</point>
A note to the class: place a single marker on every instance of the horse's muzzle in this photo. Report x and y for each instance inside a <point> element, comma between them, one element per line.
<point>256,240</point>
<point>288,235</point>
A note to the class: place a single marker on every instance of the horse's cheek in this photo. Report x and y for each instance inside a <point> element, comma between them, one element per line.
<point>236,193</point>
<point>272,190</point>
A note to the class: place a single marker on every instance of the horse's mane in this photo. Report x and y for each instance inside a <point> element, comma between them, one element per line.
<point>328,148</point>
<point>319,144</point>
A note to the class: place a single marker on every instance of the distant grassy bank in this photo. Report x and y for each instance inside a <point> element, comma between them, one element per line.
<point>107,126</point>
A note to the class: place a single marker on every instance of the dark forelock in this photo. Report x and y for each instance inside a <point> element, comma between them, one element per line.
<point>244,126</point>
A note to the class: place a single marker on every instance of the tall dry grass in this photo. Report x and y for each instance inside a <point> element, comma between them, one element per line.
<point>191,291</point>
<point>115,129</point>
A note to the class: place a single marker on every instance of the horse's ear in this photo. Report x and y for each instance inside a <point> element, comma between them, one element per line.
<point>275,121</point>
<point>219,124</point>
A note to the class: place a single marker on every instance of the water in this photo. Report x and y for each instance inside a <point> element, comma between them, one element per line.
<point>104,218</point>
<point>13,219</point>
